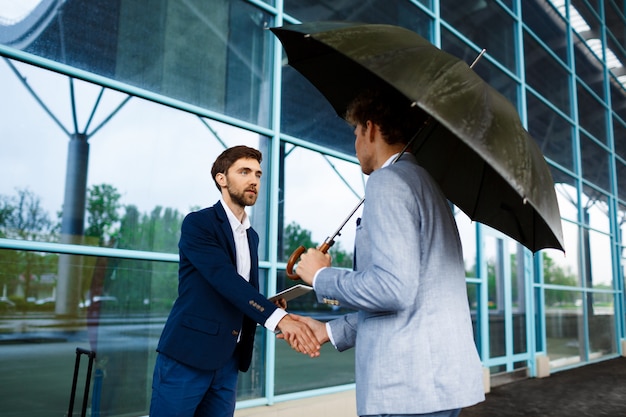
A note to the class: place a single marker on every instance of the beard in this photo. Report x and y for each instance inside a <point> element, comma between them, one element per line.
<point>242,198</point>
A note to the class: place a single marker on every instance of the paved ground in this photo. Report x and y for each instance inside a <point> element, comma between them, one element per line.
<point>596,390</point>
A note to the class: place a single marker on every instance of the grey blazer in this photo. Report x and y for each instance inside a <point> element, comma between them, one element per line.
<point>415,351</point>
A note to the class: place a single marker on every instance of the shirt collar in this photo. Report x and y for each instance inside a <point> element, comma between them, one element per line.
<point>233,220</point>
<point>388,161</point>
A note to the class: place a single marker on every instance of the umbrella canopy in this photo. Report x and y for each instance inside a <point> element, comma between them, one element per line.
<point>478,151</point>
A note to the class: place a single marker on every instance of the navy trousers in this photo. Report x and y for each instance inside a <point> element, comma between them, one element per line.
<point>181,391</point>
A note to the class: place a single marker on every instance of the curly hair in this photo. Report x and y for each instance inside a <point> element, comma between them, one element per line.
<point>397,119</point>
<point>230,156</point>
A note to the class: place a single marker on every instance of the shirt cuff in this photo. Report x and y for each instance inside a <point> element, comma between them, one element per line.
<point>330,335</point>
<point>272,321</point>
<point>315,276</point>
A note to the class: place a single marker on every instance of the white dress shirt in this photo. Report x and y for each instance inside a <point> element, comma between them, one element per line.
<point>242,251</point>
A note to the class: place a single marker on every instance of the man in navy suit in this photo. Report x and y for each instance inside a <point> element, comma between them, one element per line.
<point>415,352</point>
<point>209,334</point>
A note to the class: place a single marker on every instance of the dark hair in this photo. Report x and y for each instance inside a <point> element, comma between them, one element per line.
<point>397,119</point>
<point>230,156</point>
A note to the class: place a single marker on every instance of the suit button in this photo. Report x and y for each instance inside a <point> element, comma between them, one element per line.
<point>235,333</point>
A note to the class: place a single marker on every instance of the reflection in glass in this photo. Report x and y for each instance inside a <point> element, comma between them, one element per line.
<point>209,54</point>
<point>595,210</point>
<point>506,295</point>
<point>297,372</point>
<point>305,113</point>
<point>601,323</point>
<point>145,164</point>
<point>598,270</point>
<point>319,193</point>
<point>564,327</point>
<point>496,270</point>
<point>563,268</point>
<point>122,308</point>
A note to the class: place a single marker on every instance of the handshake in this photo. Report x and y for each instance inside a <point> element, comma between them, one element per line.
<point>304,334</point>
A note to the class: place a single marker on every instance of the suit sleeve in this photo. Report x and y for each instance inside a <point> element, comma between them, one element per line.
<point>344,330</point>
<point>206,248</point>
<point>391,281</point>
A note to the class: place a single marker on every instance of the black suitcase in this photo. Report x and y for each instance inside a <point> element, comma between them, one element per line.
<point>92,355</point>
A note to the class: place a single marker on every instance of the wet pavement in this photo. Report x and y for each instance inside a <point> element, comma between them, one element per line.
<point>593,390</point>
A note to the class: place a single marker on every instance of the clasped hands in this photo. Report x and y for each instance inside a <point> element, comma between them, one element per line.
<point>305,334</point>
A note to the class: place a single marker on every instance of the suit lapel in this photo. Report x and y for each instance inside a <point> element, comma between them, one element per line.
<point>226,230</point>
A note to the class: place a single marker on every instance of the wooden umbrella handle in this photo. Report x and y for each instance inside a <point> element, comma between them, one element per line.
<point>296,255</point>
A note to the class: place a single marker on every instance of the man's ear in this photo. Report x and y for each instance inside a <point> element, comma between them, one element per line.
<point>371,130</point>
<point>221,179</point>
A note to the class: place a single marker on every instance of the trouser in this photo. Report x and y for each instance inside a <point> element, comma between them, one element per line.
<point>181,391</point>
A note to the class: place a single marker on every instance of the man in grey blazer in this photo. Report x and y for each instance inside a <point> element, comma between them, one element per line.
<point>415,352</point>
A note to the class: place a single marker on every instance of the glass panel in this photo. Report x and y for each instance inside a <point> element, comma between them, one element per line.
<point>601,324</point>
<point>306,113</point>
<point>121,306</point>
<point>564,327</point>
<point>588,66</point>
<point>332,368</point>
<point>319,192</point>
<point>595,210</point>
<point>592,115</point>
<point>547,24</point>
<point>493,254</point>
<point>546,75</point>
<point>210,54</point>
<point>148,163</point>
<point>595,163</point>
<point>487,25</point>
<point>552,133</point>
<point>598,270</point>
<point>394,12</point>
<point>312,207</point>
<point>563,268</point>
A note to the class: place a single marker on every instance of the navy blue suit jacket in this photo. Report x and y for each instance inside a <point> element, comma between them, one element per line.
<point>214,302</point>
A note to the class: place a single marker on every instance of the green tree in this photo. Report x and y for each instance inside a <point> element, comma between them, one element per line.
<point>103,205</point>
<point>23,217</point>
<point>295,236</point>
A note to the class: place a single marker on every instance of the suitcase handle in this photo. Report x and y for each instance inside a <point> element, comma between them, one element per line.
<point>92,355</point>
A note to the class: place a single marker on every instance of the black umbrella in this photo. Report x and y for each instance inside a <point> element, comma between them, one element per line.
<point>478,151</point>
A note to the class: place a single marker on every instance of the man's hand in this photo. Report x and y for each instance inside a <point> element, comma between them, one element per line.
<point>319,328</point>
<point>299,336</point>
<point>280,303</point>
<point>311,262</point>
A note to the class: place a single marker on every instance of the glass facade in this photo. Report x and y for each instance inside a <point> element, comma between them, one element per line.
<point>112,113</point>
